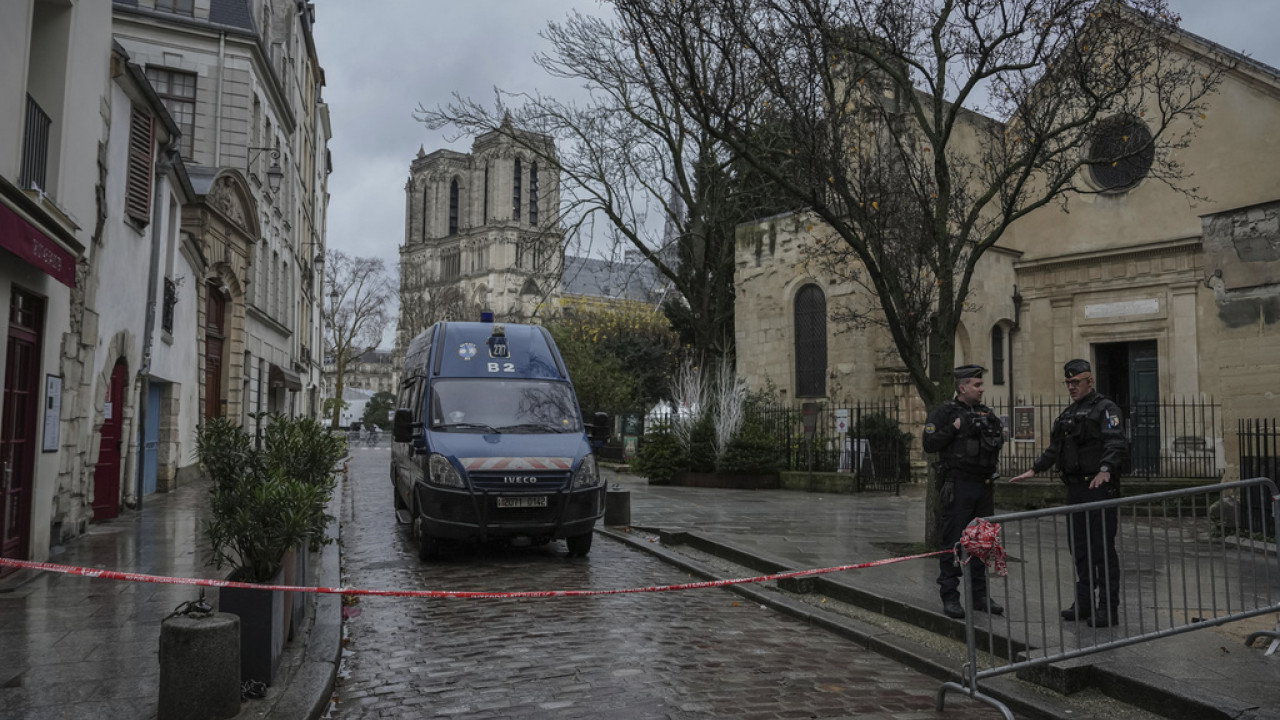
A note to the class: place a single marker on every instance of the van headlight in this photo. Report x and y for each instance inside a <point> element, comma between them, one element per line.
<point>586,475</point>
<point>442,472</point>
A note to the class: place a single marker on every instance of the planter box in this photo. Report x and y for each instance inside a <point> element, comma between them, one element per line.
<point>262,627</point>
<point>725,480</point>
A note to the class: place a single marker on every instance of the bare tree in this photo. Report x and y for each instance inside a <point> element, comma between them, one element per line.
<point>361,304</point>
<point>919,130</point>
<point>663,183</point>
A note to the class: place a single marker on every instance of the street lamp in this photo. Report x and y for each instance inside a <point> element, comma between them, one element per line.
<point>274,173</point>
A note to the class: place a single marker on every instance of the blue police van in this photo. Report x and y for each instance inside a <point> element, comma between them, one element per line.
<point>489,443</point>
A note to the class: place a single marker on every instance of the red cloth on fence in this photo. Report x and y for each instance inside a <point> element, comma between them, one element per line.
<point>981,539</point>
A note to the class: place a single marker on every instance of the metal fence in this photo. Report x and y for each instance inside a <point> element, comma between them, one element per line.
<point>863,438</point>
<point>1174,438</point>
<point>1259,444</point>
<point>1187,559</point>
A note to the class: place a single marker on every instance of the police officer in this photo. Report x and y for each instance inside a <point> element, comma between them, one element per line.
<point>967,437</point>
<point>1088,445</point>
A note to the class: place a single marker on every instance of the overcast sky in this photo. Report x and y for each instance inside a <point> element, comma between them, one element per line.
<point>382,58</point>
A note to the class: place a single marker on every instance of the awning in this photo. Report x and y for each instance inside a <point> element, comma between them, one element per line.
<point>280,377</point>
<point>22,239</point>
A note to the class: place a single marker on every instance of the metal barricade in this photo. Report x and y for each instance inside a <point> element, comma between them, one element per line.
<point>1185,560</point>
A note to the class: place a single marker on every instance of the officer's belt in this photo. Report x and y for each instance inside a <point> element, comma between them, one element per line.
<point>965,475</point>
<point>1077,478</point>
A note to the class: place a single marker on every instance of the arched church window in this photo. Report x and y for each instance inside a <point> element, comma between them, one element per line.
<point>453,207</point>
<point>533,194</point>
<point>484,220</point>
<point>515,193</point>
<point>811,342</point>
<point>997,355</point>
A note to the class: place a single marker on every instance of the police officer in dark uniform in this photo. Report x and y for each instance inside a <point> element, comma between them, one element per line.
<point>1089,447</point>
<point>967,437</point>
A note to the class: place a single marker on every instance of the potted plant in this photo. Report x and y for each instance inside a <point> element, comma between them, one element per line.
<point>265,501</point>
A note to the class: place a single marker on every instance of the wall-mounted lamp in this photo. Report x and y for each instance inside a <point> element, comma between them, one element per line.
<point>274,173</point>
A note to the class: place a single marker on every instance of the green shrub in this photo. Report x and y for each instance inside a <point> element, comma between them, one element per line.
<point>702,445</point>
<point>753,451</point>
<point>266,500</point>
<point>661,457</point>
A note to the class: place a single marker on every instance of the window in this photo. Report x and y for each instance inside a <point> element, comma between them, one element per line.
<point>450,264</point>
<point>1120,153</point>
<point>811,342</point>
<point>453,207</point>
<point>177,90</point>
<point>137,200</point>
<point>484,219</point>
<point>533,194</point>
<point>515,193</point>
<point>184,7</point>
<point>997,355</point>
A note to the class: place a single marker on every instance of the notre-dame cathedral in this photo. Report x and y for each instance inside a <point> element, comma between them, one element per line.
<point>481,233</point>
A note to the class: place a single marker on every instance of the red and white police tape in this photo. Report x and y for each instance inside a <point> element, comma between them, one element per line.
<point>205,582</point>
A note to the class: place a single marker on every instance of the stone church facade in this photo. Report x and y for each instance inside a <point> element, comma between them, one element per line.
<point>1173,298</point>
<point>481,233</point>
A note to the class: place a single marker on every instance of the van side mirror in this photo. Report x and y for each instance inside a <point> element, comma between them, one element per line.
<point>600,427</point>
<point>402,425</point>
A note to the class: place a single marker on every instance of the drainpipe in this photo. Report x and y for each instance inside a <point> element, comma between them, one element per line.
<point>166,161</point>
<point>217,102</point>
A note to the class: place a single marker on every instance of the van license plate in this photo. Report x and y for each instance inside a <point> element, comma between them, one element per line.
<point>522,502</point>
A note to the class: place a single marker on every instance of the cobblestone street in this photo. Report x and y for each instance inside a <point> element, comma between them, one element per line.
<point>691,654</point>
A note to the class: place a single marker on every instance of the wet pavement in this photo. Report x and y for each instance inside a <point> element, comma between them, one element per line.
<point>689,654</point>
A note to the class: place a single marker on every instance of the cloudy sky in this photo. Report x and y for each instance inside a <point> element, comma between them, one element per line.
<point>383,58</point>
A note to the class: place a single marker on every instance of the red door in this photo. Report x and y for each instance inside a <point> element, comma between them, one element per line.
<point>106,475</point>
<point>20,406</point>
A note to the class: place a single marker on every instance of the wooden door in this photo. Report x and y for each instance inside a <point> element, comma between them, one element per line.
<point>20,406</point>
<point>214,313</point>
<point>106,474</point>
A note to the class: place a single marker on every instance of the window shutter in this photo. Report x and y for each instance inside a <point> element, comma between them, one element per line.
<point>138,186</point>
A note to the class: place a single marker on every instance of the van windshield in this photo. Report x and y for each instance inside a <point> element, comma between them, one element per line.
<point>503,406</point>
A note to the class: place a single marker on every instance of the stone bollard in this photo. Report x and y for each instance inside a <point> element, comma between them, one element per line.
<point>200,667</point>
<point>617,506</point>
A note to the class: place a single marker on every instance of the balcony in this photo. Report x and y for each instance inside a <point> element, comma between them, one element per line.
<point>35,148</point>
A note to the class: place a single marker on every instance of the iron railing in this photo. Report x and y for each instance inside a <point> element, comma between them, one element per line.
<point>1259,447</point>
<point>1174,438</point>
<point>860,437</point>
<point>35,148</point>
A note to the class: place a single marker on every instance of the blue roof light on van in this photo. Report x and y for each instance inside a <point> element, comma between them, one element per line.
<point>486,316</point>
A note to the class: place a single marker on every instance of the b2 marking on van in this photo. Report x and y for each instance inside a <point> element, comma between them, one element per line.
<point>506,367</point>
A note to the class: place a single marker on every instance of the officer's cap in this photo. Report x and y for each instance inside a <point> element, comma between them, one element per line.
<point>1075,367</point>
<point>968,371</point>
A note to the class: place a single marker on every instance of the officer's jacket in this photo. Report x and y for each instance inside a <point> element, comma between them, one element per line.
<point>1087,435</point>
<point>973,448</point>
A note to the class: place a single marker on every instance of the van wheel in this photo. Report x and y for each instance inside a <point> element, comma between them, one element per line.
<point>579,545</point>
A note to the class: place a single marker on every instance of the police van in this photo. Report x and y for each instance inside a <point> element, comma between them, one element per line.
<point>489,443</point>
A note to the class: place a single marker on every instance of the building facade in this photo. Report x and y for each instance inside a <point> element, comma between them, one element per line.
<point>1172,296</point>
<point>481,233</point>
<point>152,273</point>
<point>243,79</point>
